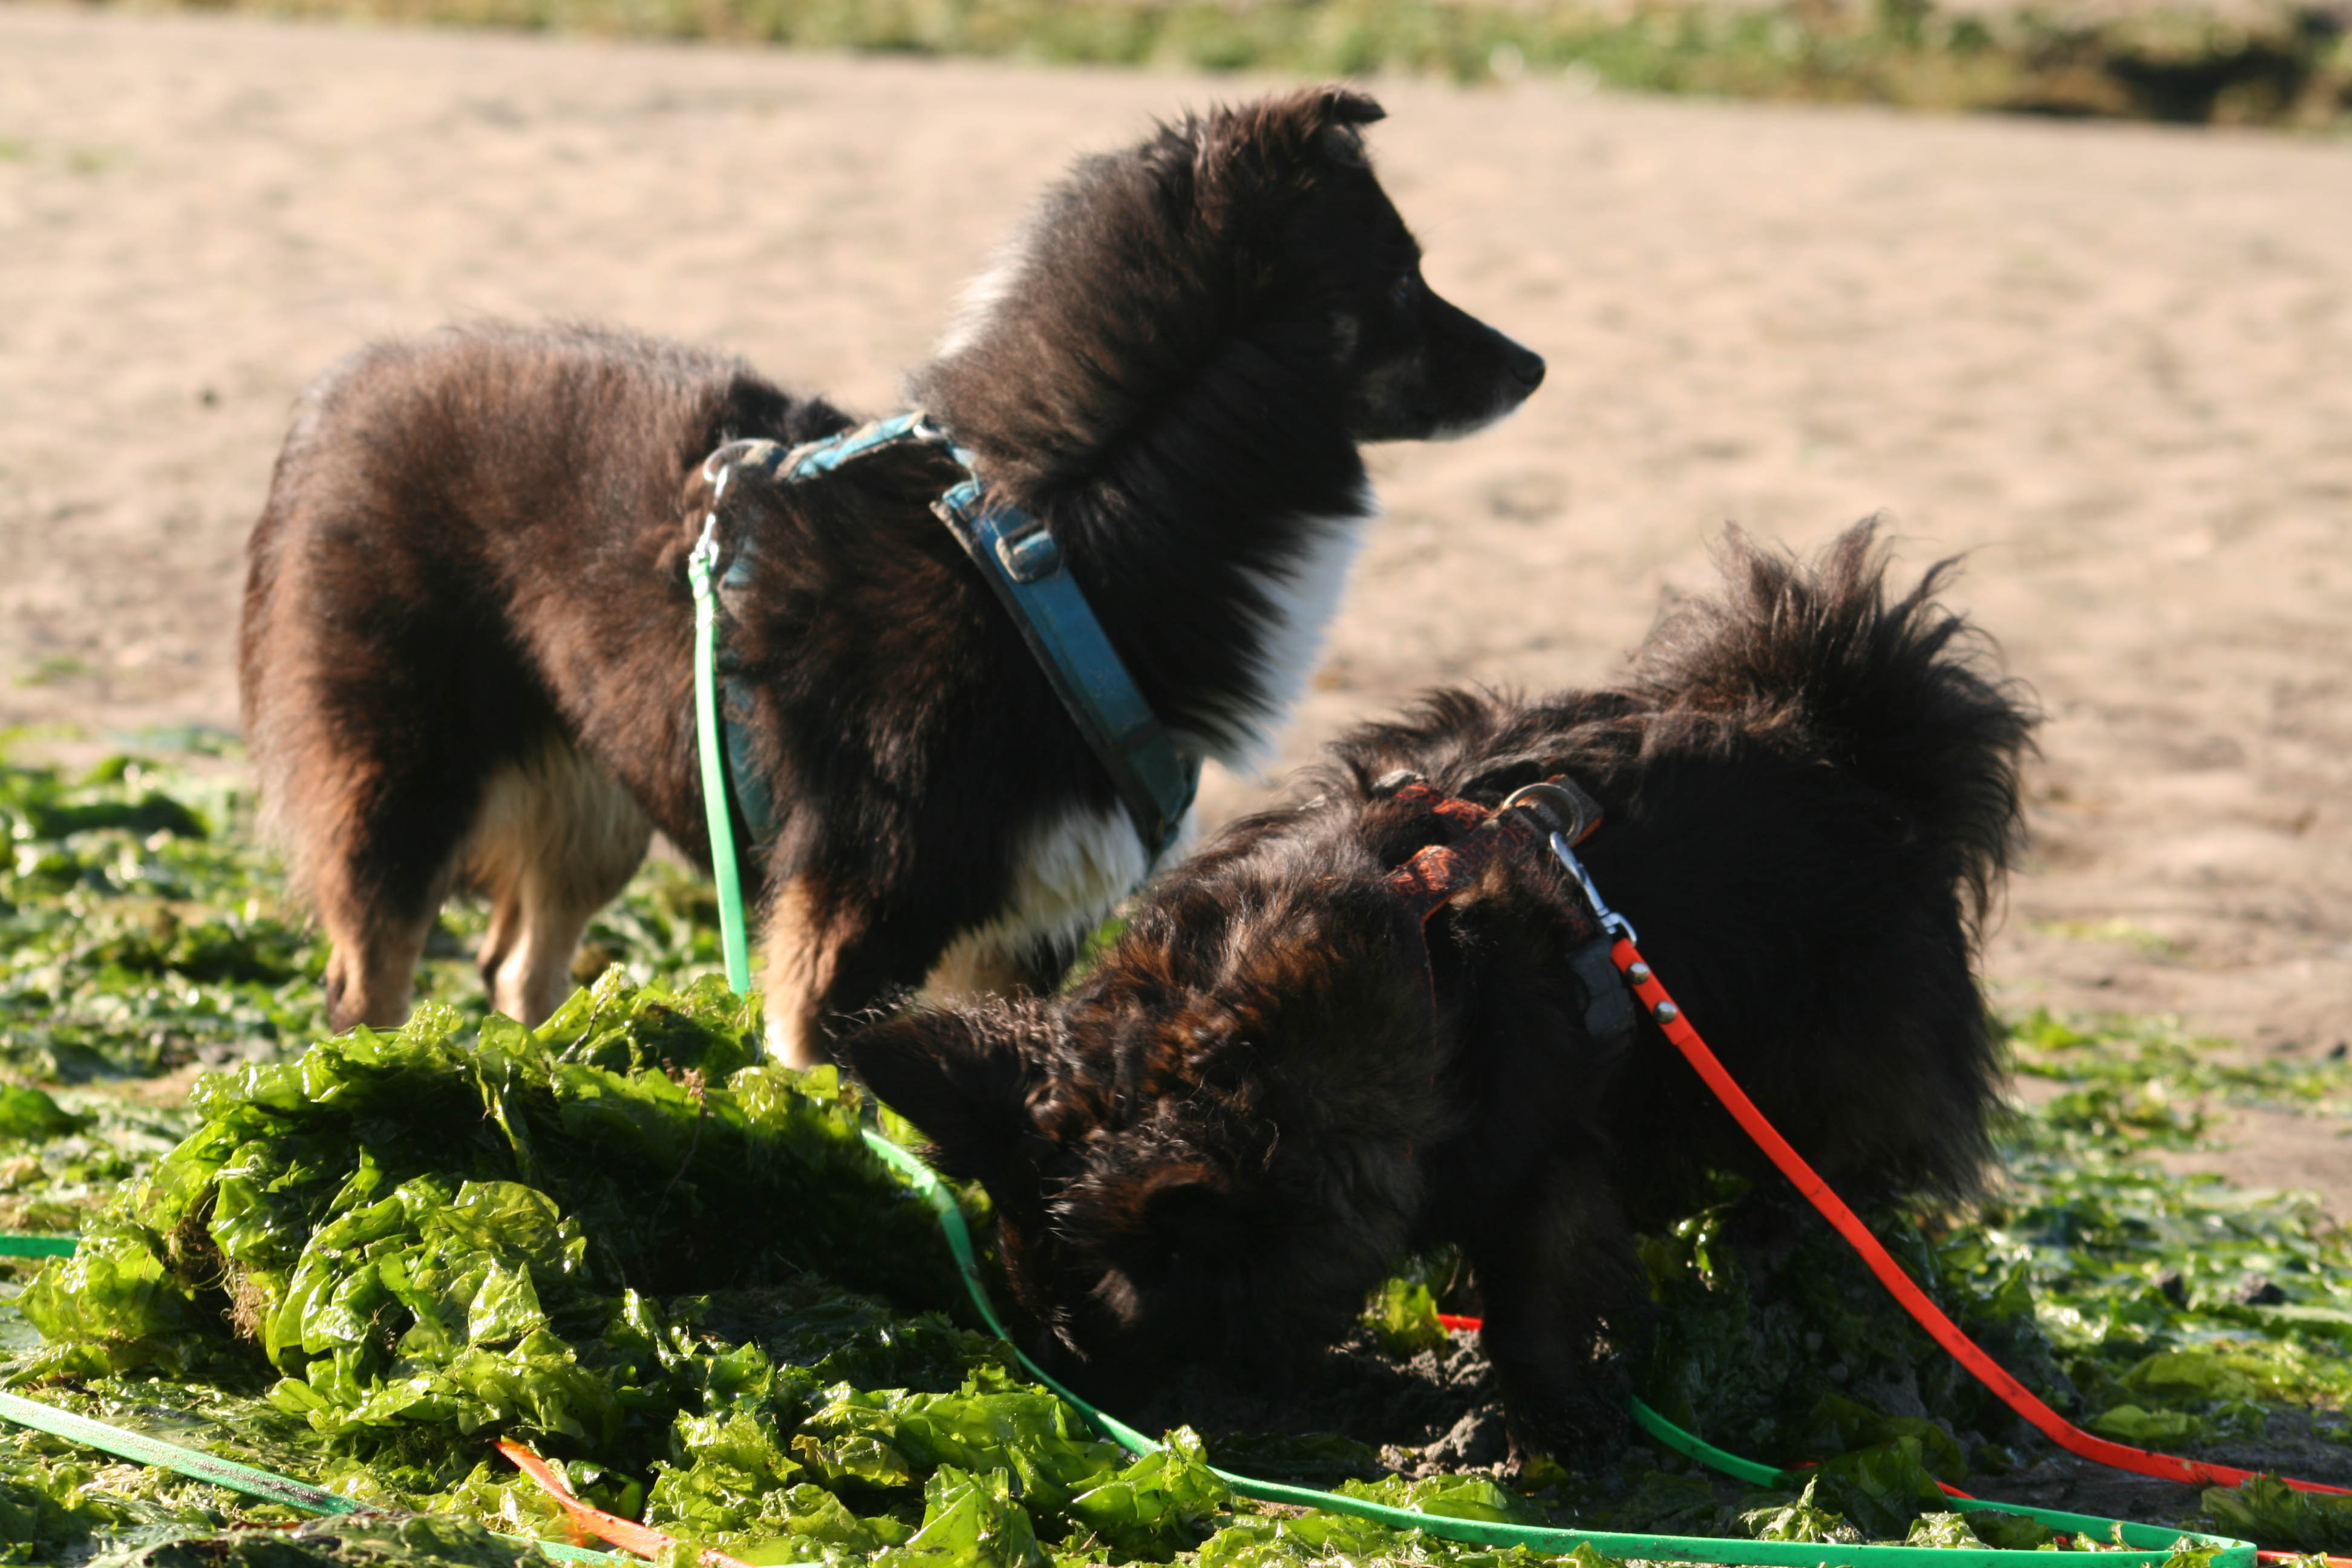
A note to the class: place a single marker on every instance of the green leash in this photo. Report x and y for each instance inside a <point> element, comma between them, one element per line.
<point>1692,1446</point>
<point>155,1451</point>
<point>713,745</point>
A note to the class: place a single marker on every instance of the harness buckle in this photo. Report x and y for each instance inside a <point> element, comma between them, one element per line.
<point>1031,555</point>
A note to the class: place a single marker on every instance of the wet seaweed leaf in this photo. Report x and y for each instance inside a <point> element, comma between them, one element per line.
<point>350,1542</point>
<point>2267,1509</point>
<point>1403,1319</point>
<point>2007,1531</point>
<point>1882,1490</point>
<point>1801,1518</point>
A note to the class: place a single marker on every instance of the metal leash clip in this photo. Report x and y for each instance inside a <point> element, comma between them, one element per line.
<point>1571,814</point>
<point>1617,925</point>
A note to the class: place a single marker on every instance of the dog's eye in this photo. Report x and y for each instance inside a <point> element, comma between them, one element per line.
<point>1400,291</point>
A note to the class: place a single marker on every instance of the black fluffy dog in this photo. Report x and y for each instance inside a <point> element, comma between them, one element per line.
<point>467,628</point>
<point>1211,1147</point>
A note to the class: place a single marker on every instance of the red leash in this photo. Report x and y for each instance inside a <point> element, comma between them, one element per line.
<point>1433,876</point>
<point>1925,1312</point>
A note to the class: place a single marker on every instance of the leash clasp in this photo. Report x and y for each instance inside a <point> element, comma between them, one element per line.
<point>1571,815</point>
<point>1613,922</point>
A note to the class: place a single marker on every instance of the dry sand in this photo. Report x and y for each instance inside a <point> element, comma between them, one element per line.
<point>2111,363</point>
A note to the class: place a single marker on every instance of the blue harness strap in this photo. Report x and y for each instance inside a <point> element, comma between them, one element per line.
<point>1023,563</point>
<point>750,799</point>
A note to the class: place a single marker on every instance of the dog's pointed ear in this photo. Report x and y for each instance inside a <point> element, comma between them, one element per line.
<point>1264,143</point>
<point>1336,105</point>
<point>956,1076</point>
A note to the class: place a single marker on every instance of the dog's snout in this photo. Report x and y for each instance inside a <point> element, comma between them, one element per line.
<point>1525,366</point>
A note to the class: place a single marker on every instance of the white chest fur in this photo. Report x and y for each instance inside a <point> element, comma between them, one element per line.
<point>1297,601</point>
<point>1073,869</point>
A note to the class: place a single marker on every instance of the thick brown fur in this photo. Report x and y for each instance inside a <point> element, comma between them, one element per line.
<point>466,640</point>
<point>1211,1148</point>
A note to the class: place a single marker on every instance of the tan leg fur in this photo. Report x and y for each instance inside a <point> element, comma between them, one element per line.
<point>802,942</point>
<point>556,840</point>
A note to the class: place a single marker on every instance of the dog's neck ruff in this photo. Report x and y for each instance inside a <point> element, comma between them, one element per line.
<point>1550,818</point>
<point>1025,566</point>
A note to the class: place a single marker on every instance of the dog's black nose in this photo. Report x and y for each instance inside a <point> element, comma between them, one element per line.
<point>1526,366</point>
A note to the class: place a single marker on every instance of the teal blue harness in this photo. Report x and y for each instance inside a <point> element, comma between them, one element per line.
<point>1025,566</point>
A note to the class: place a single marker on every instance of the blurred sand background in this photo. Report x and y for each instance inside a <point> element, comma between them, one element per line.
<point>2111,363</point>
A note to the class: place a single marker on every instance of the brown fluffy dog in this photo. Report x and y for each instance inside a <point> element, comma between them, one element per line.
<point>1211,1147</point>
<point>467,628</point>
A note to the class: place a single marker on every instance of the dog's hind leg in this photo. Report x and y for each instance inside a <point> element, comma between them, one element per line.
<point>373,948</point>
<point>374,850</point>
<point>555,839</point>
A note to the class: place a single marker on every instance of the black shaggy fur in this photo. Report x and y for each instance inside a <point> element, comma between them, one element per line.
<point>468,624</point>
<point>1211,1147</point>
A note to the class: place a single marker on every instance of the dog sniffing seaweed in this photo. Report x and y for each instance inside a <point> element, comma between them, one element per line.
<point>464,656</point>
<point>1270,1091</point>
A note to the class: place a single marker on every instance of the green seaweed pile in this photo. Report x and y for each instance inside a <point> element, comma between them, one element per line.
<point>679,1274</point>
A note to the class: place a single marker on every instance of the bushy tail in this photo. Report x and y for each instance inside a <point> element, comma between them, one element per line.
<point>1902,691</point>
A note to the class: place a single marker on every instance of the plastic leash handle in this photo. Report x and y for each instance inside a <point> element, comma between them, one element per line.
<point>2148,1546</point>
<point>1905,1289</point>
<point>642,1540</point>
<point>710,742</point>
